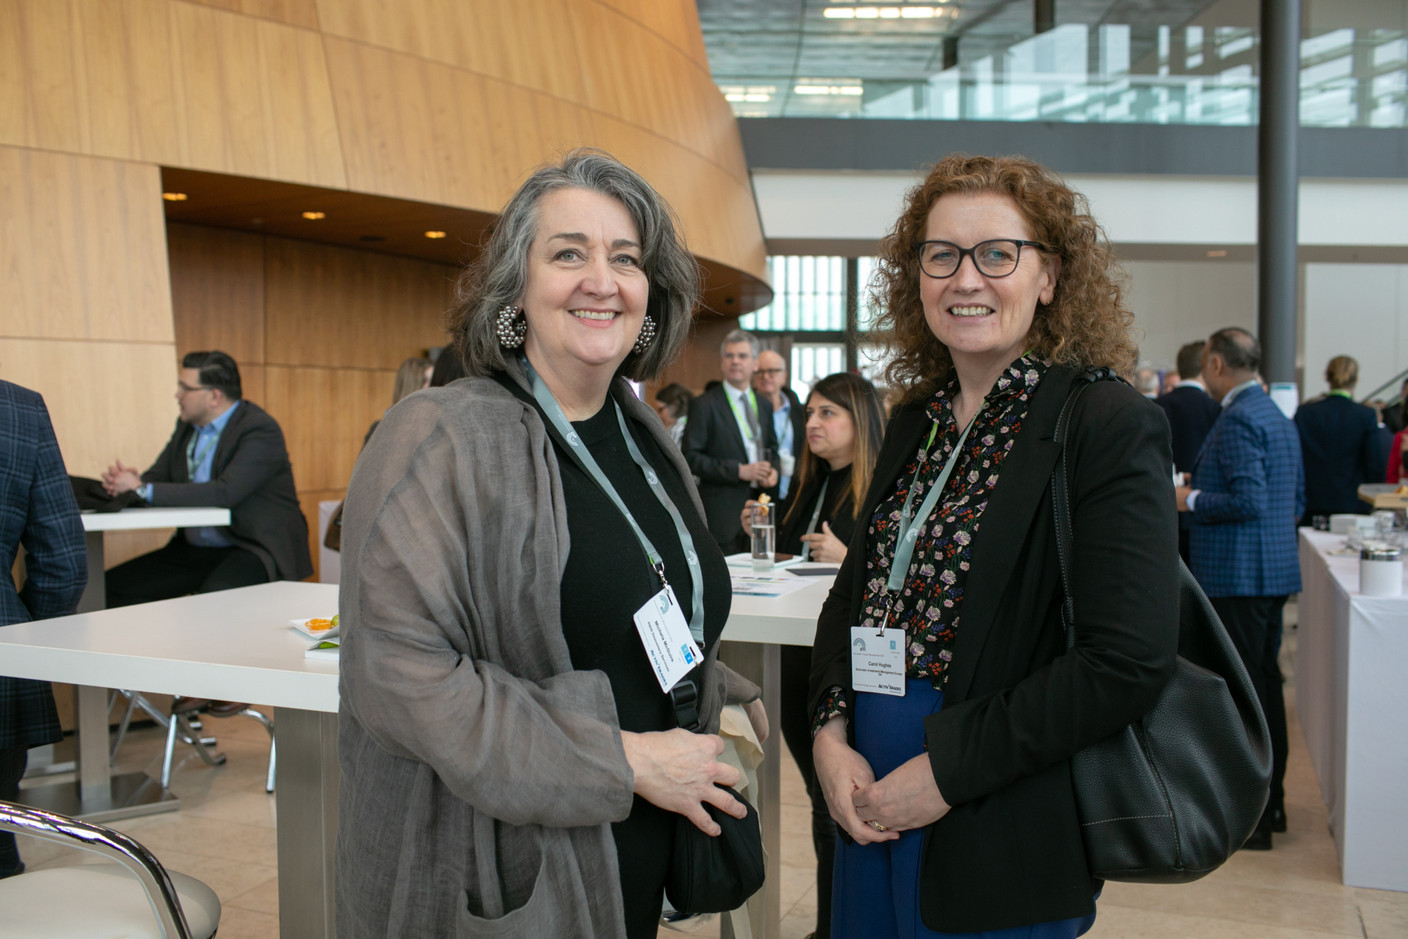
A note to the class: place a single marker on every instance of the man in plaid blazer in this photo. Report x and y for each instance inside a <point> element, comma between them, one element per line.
<point>37,510</point>
<point>1247,492</point>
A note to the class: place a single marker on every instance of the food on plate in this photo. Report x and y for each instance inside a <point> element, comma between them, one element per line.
<point>317,624</point>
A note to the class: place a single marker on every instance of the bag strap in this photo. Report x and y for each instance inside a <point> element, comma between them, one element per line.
<point>1060,494</point>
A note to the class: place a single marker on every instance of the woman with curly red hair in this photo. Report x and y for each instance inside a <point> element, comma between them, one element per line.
<point>946,762</point>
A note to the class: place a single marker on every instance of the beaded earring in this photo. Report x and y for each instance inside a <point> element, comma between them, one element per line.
<point>647,334</point>
<point>511,326</point>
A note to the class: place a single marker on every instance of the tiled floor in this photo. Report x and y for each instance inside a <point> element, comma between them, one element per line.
<point>224,834</point>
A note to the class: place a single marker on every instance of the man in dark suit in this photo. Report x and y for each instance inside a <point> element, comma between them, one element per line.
<point>789,419</point>
<point>1343,445</point>
<point>37,510</point>
<point>729,441</point>
<point>1248,491</point>
<point>225,452</point>
<point>1190,411</point>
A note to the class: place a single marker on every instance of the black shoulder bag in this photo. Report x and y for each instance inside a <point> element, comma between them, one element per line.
<point>712,874</point>
<point>1171,796</point>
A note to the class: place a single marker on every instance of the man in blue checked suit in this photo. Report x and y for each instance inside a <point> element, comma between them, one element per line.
<point>37,510</point>
<point>1247,492</point>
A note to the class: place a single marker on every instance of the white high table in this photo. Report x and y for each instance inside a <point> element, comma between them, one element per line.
<point>234,645</point>
<point>1352,701</point>
<point>757,629</point>
<point>98,795</point>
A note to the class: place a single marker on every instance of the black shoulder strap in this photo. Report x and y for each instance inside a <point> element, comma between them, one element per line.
<point>1060,493</point>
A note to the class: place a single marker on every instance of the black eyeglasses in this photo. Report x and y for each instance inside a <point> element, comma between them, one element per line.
<point>769,372</point>
<point>184,388</point>
<point>995,258</point>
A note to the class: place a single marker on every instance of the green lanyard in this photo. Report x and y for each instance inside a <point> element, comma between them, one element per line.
<point>195,458</point>
<point>909,529</point>
<point>755,428</point>
<point>584,459</point>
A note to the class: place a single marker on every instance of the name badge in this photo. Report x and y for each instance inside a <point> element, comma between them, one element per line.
<point>877,660</point>
<point>665,634</point>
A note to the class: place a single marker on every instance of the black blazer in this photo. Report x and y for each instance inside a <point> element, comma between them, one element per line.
<point>252,477</point>
<point>1017,705</point>
<point>1191,412</point>
<point>1342,446</point>
<point>713,447</point>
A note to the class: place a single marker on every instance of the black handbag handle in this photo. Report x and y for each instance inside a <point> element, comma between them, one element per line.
<point>1061,499</point>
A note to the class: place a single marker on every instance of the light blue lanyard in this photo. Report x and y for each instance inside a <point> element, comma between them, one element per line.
<point>584,458</point>
<point>909,529</point>
<point>811,526</point>
<point>194,458</point>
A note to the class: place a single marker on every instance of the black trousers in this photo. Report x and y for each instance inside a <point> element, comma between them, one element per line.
<point>796,723</point>
<point>12,763</point>
<point>181,568</point>
<point>1254,624</point>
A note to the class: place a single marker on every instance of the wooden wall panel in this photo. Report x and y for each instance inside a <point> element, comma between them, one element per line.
<point>169,82</point>
<point>108,400</point>
<point>675,21</point>
<point>293,12</point>
<point>420,130</point>
<point>82,249</point>
<point>217,292</point>
<point>325,413</point>
<point>340,308</point>
<point>521,42</point>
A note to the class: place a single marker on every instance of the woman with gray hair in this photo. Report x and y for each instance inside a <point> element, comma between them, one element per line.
<point>509,540</point>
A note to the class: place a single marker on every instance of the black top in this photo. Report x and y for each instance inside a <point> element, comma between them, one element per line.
<point>608,577</point>
<point>837,511</point>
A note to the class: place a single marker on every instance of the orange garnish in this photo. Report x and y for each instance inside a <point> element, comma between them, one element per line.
<point>318,624</point>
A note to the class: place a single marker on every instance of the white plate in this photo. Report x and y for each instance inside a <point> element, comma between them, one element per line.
<point>301,625</point>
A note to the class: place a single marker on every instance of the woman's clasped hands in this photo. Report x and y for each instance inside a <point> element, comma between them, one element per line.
<point>680,771</point>
<point>872,810</point>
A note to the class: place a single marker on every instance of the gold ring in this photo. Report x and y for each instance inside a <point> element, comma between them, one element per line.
<point>878,827</point>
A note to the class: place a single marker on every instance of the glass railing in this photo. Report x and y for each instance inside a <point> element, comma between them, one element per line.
<point>1112,74</point>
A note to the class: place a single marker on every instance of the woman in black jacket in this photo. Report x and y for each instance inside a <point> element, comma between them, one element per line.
<point>945,761</point>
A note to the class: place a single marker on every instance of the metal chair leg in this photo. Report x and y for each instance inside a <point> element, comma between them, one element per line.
<point>122,726</point>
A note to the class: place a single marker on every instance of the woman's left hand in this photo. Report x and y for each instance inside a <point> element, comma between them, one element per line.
<point>826,547</point>
<point>907,798</point>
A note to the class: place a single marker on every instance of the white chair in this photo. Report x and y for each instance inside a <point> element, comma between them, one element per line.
<point>133,896</point>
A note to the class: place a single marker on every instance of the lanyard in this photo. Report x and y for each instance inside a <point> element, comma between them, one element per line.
<point>194,458</point>
<point>909,529</point>
<point>811,526</point>
<point>584,458</point>
<point>755,425</point>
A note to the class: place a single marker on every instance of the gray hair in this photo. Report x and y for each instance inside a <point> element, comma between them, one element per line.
<point>499,276</point>
<point>736,336</point>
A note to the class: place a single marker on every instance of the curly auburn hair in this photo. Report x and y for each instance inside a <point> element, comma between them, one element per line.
<point>1086,322</point>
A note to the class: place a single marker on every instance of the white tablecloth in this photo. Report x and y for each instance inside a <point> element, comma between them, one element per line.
<point>1352,699</point>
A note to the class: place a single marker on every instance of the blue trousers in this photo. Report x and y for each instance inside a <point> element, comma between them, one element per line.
<point>875,892</point>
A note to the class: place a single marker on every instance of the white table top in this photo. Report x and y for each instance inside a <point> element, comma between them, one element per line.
<point>155,517</point>
<point>234,645</point>
<point>1344,568</point>
<point>789,620</point>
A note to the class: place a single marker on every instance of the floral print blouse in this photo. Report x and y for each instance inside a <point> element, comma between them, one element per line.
<point>930,605</point>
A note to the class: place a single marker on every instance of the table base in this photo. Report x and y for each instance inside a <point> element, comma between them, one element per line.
<point>128,795</point>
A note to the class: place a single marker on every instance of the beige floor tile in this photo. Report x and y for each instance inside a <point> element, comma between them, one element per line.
<point>236,923</point>
<point>1113,922</point>
<point>262,899</point>
<point>1384,913</point>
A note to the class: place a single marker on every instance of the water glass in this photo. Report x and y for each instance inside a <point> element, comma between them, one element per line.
<point>763,542</point>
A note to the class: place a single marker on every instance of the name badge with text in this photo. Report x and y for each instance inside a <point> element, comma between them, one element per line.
<point>877,660</point>
<point>665,634</point>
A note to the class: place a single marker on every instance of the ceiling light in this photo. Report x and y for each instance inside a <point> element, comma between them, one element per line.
<point>889,13</point>
<point>435,234</point>
<point>839,13</point>
<point>867,13</point>
<point>315,215</point>
<point>174,196</point>
<point>918,13</point>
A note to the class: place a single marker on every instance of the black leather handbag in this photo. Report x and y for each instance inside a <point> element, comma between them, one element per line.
<point>712,874</point>
<point>1174,794</point>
